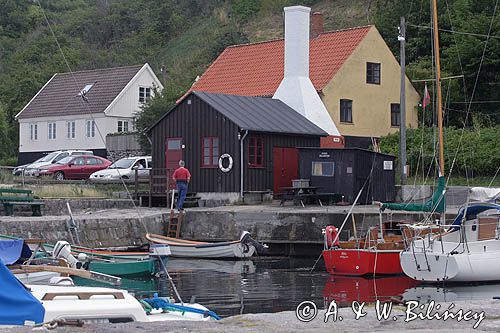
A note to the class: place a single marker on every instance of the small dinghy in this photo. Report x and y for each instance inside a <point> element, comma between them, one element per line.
<point>243,248</point>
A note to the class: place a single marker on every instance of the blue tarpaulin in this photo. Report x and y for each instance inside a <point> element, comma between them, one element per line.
<point>17,305</point>
<point>13,249</point>
<point>472,211</point>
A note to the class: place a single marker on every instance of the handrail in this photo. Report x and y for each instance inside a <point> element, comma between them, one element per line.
<point>83,295</point>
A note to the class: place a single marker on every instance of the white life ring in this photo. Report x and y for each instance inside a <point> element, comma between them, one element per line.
<point>229,167</point>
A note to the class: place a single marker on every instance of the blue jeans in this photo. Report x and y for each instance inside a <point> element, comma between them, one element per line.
<point>182,188</point>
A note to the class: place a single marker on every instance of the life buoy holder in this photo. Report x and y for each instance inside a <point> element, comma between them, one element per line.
<point>229,166</point>
<point>331,235</point>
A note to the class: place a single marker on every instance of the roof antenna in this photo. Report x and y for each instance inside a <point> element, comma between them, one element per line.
<point>85,90</point>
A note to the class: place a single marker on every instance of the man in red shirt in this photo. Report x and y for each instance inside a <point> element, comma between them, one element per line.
<point>181,177</point>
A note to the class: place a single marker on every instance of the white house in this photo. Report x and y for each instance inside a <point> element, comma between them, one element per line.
<point>77,110</point>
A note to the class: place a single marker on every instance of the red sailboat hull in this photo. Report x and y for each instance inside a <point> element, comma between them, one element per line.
<point>359,262</point>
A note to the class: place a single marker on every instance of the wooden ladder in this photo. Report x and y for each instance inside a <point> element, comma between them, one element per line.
<point>174,224</point>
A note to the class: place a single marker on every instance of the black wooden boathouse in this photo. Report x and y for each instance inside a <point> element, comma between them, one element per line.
<point>205,126</point>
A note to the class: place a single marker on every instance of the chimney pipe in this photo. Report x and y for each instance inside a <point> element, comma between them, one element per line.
<point>296,90</point>
<point>317,24</point>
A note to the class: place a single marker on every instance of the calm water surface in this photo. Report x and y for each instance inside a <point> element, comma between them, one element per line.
<point>272,285</point>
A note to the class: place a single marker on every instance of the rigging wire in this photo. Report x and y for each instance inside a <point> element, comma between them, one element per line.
<point>104,141</point>
<point>453,31</point>
<point>496,173</point>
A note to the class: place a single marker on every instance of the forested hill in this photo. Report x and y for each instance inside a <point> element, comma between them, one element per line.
<point>186,35</point>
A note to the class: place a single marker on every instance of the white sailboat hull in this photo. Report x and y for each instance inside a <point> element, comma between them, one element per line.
<point>479,261</point>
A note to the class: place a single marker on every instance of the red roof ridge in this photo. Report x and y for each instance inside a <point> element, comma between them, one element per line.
<point>280,39</point>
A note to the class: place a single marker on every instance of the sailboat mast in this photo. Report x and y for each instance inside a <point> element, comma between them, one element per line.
<point>438,86</point>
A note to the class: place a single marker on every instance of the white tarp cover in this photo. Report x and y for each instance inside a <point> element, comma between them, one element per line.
<point>484,193</point>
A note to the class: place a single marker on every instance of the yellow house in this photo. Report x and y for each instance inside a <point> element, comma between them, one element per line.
<point>353,70</point>
<point>368,87</point>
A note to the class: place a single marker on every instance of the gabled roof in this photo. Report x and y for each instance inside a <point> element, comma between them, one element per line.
<point>60,97</point>
<point>257,69</point>
<point>259,114</point>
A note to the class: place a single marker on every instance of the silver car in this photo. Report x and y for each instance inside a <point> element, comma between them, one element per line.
<point>124,169</point>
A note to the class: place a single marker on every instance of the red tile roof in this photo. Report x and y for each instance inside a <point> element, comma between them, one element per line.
<point>257,69</point>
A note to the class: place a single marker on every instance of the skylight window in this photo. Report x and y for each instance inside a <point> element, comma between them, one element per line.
<point>85,90</point>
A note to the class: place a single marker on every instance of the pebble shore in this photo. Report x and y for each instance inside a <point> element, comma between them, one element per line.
<point>288,322</point>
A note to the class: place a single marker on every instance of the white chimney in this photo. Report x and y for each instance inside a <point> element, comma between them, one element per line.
<point>296,90</point>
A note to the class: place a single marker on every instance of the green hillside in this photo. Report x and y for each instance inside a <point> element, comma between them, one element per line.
<point>185,36</point>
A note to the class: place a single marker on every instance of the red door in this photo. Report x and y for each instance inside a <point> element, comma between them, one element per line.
<point>286,167</point>
<point>173,154</point>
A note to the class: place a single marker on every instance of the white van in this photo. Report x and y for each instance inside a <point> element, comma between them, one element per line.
<point>124,169</point>
<point>52,158</point>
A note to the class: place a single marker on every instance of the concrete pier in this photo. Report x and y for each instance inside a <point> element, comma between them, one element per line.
<point>289,230</point>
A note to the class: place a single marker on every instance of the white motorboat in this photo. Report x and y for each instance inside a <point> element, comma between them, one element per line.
<point>466,250</point>
<point>91,304</point>
<point>61,300</point>
<point>241,248</point>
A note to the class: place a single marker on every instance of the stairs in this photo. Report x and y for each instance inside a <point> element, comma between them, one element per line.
<point>191,200</point>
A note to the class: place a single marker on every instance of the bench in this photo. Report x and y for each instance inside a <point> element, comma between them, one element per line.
<point>11,197</point>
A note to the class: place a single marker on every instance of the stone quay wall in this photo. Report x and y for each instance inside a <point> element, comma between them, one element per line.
<point>117,228</point>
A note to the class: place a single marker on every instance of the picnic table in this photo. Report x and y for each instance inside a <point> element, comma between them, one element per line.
<point>297,194</point>
<point>10,197</point>
<point>308,194</point>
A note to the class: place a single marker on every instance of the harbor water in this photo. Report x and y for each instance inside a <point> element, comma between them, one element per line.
<point>268,285</point>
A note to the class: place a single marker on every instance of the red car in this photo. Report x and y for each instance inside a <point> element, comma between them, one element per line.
<point>74,167</point>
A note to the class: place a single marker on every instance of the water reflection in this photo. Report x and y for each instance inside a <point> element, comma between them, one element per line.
<point>345,290</point>
<point>273,285</point>
<point>452,293</point>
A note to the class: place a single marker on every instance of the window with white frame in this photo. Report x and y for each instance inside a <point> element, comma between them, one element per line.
<point>322,168</point>
<point>52,131</point>
<point>144,94</point>
<point>90,128</point>
<point>122,125</point>
<point>70,129</point>
<point>34,132</point>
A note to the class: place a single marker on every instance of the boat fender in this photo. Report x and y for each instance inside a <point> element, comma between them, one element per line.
<point>229,166</point>
<point>246,248</point>
<point>331,234</point>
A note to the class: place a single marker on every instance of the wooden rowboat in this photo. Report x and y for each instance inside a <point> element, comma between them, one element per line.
<point>242,248</point>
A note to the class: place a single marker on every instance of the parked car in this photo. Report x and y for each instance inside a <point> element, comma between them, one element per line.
<point>52,158</point>
<point>18,170</point>
<point>124,169</point>
<point>74,167</point>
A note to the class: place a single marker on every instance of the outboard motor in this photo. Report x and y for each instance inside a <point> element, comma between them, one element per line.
<point>62,250</point>
<point>245,238</point>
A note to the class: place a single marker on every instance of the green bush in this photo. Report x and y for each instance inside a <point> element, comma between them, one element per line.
<point>8,161</point>
<point>475,152</point>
